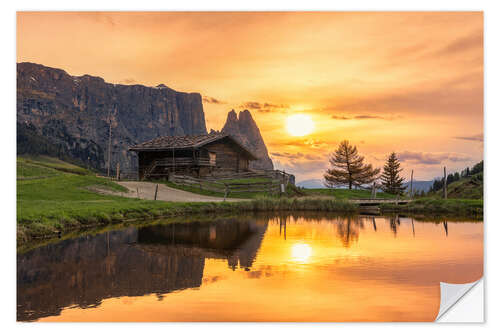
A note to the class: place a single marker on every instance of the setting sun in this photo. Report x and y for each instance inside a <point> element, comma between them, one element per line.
<point>299,125</point>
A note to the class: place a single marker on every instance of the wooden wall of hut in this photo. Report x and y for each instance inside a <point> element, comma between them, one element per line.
<point>229,156</point>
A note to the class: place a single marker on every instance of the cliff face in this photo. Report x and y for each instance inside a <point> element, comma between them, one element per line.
<point>74,113</point>
<point>244,128</point>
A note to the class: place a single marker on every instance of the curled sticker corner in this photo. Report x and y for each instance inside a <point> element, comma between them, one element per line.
<point>451,293</point>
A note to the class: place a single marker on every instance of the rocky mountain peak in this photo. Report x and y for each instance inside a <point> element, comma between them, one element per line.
<point>243,127</point>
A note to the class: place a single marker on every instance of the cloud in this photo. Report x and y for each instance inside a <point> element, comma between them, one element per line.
<point>361,117</point>
<point>453,97</point>
<point>306,143</point>
<point>477,137</point>
<point>264,107</point>
<point>129,81</point>
<point>297,156</point>
<point>212,100</point>
<point>431,158</point>
<point>473,41</point>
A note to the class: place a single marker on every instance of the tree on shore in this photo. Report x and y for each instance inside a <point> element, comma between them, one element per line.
<point>348,168</point>
<point>392,182</point>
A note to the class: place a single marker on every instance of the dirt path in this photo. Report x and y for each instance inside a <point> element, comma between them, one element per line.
<point>165,193</point>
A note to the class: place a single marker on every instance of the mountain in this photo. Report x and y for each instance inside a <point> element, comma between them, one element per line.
<point>419,185</point>
<point>311,183</point>
<point>244,129</point>
<point>71,115</point>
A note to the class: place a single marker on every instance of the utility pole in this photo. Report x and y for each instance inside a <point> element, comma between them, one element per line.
<point>109,145</point>
<point>445,192</point>
<point>411,185</point>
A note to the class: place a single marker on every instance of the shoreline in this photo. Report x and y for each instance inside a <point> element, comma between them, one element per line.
<point>29,231</point>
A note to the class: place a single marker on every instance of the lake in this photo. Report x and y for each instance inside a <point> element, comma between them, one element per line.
<point>304,267</point>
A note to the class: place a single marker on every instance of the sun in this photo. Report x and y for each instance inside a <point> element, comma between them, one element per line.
<point>299,125</point>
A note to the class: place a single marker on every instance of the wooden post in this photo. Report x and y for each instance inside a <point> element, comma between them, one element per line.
<point>445,191</point>
<point>118,171</point>
<point>374,191</point>
<point>411,185</point>
<point>156,191</point>
<point>138,197</point>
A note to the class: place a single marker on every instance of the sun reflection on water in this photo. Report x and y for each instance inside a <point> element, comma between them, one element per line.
<point>301,252</point>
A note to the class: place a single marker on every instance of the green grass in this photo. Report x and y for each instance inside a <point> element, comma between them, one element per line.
<point>347,194</point>
<point>29,170</point>
<point>50,163</point>
<point>463,207</point>
<point>238,195</point>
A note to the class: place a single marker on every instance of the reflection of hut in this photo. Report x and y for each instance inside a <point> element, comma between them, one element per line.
<point>236,241</point>
<point>191,155</point>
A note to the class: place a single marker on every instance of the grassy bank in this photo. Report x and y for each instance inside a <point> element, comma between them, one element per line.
<point>347,194</point>
<point>468,207</point>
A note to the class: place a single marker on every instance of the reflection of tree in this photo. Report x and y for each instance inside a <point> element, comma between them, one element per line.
<point>283,220</point>
<point>394,223</point>
<point>348,230</point>
<point>445,225</point>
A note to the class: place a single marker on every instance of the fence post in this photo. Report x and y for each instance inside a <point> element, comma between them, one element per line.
<point>374,191</point>
<point>156,191</point>
<point>118,171</point>
<point>138,197</point>
<point>225,191</point>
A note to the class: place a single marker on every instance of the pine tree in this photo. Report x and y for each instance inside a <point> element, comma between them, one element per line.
<point>348,168</point>
<point>392,182</point>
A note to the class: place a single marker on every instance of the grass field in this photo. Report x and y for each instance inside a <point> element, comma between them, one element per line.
<point>464,207</point>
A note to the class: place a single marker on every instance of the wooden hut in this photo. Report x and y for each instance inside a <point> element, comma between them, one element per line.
<point>197,156</point>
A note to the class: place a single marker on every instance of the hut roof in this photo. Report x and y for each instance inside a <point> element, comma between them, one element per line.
<point>185,142</point>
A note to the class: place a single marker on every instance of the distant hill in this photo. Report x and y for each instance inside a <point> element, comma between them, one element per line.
<point>419,185</point>
<point>311,183</point>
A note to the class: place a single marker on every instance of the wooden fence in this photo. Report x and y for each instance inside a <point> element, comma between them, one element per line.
<point>221,186</point>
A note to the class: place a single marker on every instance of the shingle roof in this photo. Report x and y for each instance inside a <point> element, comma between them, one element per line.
<point>191,141</point>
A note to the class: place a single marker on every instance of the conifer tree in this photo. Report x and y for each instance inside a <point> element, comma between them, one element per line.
<point>392,182</point>
<point>348,168</point>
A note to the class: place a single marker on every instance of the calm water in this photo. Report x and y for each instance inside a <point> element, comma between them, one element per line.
<point>252,268</point>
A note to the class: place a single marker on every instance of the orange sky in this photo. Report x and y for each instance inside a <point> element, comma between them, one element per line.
<point>408,82</point>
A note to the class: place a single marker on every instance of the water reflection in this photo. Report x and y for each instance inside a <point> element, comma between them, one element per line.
<point>285,267</point>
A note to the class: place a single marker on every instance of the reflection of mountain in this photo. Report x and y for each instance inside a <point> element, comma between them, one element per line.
<point>129,262</point>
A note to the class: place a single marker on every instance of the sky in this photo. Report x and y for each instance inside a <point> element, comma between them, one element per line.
<point>408,82</point>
